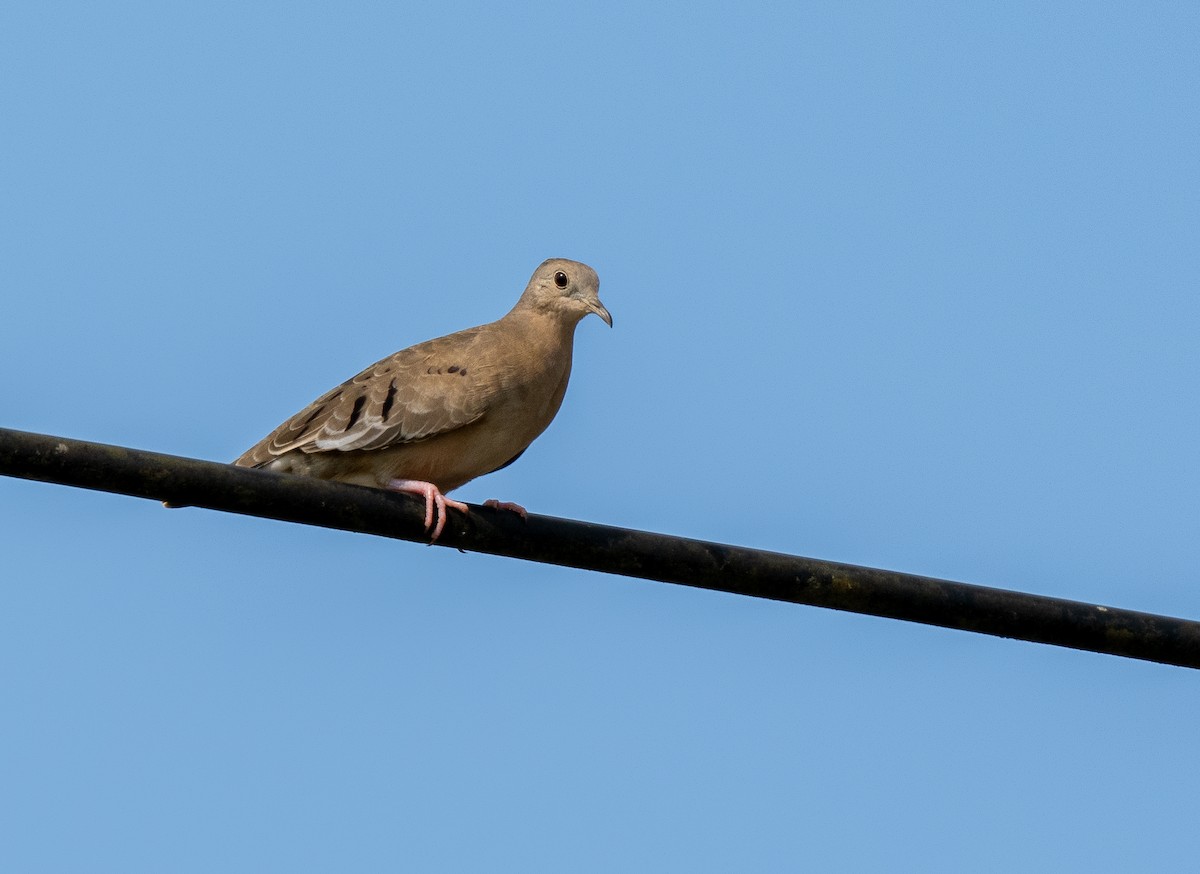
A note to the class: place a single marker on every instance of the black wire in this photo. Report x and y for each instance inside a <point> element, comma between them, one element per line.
<point>734,569</point>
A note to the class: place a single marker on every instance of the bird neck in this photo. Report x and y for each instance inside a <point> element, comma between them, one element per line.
<point>543,321</point>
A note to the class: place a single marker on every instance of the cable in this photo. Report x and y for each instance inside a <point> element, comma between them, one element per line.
<point>733,569</point>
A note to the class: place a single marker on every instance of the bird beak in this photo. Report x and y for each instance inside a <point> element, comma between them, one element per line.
<point>602,311</point>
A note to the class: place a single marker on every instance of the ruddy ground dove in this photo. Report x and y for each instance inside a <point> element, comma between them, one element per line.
<point>436,415</point>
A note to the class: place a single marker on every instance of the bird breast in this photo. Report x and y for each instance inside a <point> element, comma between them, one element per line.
<point>527,381</point>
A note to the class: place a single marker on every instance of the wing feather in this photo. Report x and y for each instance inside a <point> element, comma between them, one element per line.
<point>427,389</point>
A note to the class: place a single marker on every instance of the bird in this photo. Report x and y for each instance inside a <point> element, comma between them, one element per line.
<point>436,415</point>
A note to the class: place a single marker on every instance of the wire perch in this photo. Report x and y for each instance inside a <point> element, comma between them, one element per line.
<point>723,568</point>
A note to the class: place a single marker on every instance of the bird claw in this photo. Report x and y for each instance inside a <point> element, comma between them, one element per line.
<point>507,505</point>
<point>435,502</point>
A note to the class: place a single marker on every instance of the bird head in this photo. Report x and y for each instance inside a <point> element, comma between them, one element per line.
<point>567,289</point>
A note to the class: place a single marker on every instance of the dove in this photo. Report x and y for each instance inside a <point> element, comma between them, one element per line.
<point>436,415</point>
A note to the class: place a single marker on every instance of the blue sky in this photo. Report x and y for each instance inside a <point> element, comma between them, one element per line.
<point>903,285</point>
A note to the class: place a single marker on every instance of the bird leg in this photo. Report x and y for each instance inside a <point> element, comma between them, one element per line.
<point>433,499</point>
<point>506,505</point>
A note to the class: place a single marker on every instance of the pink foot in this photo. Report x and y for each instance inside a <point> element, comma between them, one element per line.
<point>507,505</point>
<point>433,499</point>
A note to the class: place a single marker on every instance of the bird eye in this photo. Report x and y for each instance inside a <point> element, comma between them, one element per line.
<point>560,279</point>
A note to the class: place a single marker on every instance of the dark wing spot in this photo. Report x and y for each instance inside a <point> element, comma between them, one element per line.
<point>308,421</point>
<point>453,368</point>
<point>356,412</point>
<point>463,372</point>
<point>388,401</point>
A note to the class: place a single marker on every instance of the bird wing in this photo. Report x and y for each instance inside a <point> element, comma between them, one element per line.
<point>427,389</point>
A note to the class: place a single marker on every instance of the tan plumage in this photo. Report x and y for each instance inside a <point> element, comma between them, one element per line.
<point>436,415</point>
